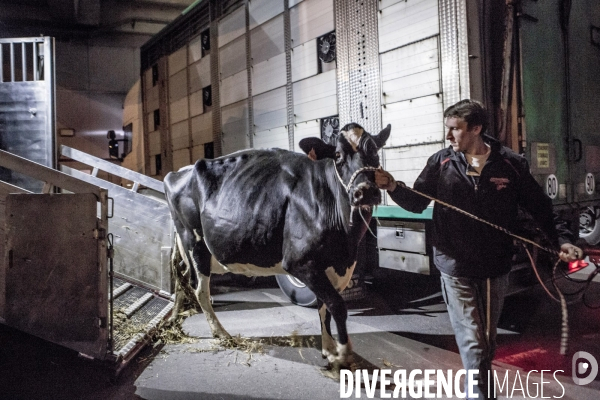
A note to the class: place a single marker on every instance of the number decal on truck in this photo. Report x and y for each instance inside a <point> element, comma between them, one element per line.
<point>551,186</point>
<point>590,183</point>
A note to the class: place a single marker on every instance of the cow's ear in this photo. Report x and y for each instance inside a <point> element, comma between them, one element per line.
<point>382,136</point>
<point>322,149</point>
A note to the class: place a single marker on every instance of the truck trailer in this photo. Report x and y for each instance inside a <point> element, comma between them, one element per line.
<point>237,74</point>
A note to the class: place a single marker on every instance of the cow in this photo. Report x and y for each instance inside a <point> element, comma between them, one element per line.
<point>268,212</point>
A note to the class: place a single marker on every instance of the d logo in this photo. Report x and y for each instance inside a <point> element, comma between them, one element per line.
<point>583,364</point>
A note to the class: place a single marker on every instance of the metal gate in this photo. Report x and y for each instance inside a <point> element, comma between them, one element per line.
<point>27,107</point>
<point>53,280</point>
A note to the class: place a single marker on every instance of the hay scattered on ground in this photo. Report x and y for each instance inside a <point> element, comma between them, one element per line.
<point>171,331</point>
<point>125,328</point>
<point>388,364</point>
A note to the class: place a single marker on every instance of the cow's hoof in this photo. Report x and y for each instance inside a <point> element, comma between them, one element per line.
<point>224,336</point>
<point>332,370</point>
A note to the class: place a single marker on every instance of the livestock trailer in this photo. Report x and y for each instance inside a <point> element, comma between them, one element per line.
<point>235,74</point>
<point>84,263</point>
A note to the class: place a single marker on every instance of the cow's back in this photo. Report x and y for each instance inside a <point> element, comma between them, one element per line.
<point>238,202</point>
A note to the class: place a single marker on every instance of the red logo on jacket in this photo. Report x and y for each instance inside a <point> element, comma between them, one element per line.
<point>501,183</point>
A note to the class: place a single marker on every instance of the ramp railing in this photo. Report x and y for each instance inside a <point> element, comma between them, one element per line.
<point>141,224</point>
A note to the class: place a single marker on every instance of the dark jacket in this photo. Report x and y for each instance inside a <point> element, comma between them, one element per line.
<point>463,246</point>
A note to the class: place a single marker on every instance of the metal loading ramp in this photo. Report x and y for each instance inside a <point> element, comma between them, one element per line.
<point>92,255</point>
<point>141,226</point>
<point>136,313</point>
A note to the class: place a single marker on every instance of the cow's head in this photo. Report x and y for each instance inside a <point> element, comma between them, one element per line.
<point>354,150</point>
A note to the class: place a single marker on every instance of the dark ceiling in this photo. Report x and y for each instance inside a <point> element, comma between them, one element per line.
<point>132,21</point>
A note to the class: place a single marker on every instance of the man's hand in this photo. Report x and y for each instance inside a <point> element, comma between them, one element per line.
<point>312,155</point>
<point>385,180</point>
<point>569,252</point>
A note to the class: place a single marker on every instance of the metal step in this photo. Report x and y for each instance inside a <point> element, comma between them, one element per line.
<point>136,313</point>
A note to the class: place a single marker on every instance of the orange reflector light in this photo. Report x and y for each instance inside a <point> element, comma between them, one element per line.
<point>576,266</point>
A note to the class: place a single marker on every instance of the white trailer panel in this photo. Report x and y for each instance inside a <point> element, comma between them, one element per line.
<point>269,74</point>
<point>386,3</point>
<point>270,138</point>
<point>267,40</point>
<point>304,60</point>
<point>177,61</point>
<point>232,26</point>
<point>410,87</point>
<point>416,121</point>
<point>305,129</point>
<point>151,93</point>
<point>261,11</point>
<point>181,158</point>
<point>315,97</point>
<point>200,74</point>
<point>234,88</point>
<point>196,103</point>
<point>406,163</point>
<point>195,50</point>
<point>178,110</point>
<point>311,19</point>
<point>178,86</point>
<point>197,153</point>
<point>412,59</point>
<point>202,129</point>
<point>232,58</point>
<point>407,22</point>
<point>235,127</point>
<point>154,143</point>
<point>270,110</point>
<point>180,138</point>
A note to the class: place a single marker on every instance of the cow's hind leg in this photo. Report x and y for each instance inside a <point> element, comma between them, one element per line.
<point>201,262</point>
<point>194,282</point>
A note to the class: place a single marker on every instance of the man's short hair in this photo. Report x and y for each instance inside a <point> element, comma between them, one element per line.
<point>472,112</point>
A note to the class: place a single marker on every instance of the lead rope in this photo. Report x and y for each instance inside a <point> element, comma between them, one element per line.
<point>551,251</point>
<point>564,340</point>
<point>488,312</point>
<point>564,336</point>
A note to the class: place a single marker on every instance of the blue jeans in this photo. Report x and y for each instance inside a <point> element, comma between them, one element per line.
<point>466,300</point>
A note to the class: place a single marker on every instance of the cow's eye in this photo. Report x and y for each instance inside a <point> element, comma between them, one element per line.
<point>338,156</point>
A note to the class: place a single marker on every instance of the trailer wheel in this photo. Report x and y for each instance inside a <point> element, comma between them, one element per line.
<point>589,225</point>
<point>296,291</point>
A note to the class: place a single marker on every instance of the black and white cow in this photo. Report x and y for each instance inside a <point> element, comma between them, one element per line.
<point>267,212</point>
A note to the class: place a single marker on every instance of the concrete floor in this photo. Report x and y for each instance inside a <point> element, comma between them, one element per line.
<point>402,324</point>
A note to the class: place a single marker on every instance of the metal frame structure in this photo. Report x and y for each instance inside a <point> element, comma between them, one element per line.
<point>27,88</point>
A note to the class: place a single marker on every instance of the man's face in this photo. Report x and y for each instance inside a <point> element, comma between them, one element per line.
<point>460,136</point>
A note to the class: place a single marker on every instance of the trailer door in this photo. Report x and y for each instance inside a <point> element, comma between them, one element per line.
<point>53,273</point>
<point>27,107</point>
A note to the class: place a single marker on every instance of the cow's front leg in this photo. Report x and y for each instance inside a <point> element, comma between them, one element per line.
<point>328,343</point>
<point>338,354</point>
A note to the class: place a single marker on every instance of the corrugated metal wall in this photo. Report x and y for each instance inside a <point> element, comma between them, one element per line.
<point>393,66</point>
<point>420,53</point>
<point>272,88</point>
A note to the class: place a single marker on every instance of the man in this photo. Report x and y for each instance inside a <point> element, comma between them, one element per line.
<point>478,175</point>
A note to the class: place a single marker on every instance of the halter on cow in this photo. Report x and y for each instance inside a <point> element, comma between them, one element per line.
<point>267,212</point>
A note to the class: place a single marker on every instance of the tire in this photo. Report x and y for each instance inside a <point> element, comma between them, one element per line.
<point>589,225</point>
<point>296,291</point>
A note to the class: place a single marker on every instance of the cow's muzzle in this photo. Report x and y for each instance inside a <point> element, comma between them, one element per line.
<point>366,194</point>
